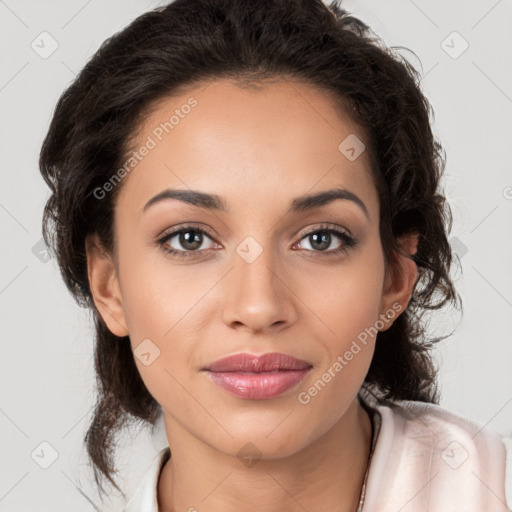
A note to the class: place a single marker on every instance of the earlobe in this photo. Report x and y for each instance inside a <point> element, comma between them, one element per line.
<point>104,285</point>
<point>401,277</point>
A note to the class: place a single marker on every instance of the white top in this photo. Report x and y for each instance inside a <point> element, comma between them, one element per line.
<point>425,459</point>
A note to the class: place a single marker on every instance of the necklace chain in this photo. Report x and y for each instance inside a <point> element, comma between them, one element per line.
<point>376,421</point>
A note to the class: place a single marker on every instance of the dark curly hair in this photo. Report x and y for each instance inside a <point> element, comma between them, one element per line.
<point>188,43</point>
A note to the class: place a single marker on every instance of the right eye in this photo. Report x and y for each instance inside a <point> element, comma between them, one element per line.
<point>190,238</point>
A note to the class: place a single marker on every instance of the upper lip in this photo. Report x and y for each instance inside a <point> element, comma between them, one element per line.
<point>269,362</point>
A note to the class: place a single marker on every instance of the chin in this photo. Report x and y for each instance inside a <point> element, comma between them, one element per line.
<point>258,443</point>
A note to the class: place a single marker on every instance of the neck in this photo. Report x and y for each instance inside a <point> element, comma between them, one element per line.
<point>328,474</point>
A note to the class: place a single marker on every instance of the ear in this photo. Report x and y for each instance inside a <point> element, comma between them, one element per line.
<point>400,277</point>
<point>104,285</point>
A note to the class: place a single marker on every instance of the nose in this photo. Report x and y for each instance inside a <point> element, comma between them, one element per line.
<point>258,294</point>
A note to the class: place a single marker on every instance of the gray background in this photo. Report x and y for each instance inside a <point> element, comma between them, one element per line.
<point>46,365</point>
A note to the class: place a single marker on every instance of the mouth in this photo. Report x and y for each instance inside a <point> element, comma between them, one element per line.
<point>258,377</point>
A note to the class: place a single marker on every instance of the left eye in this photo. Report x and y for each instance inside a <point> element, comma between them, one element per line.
<point>321,240</point>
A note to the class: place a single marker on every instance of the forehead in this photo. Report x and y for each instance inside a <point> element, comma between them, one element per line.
<point>249,145</point>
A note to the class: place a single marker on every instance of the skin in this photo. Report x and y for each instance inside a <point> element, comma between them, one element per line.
<point>257,150</point>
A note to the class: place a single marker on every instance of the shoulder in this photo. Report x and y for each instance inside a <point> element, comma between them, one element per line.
<point>429,458</point>
<point>441,426</point>
<point>144,499</point>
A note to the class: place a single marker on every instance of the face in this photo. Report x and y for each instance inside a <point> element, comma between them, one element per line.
<point>258,269</point>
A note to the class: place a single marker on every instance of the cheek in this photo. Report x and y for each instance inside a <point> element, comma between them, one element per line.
<point>349,311</point>
<point>345,298</point>
<point>345,302</point>
<point>165,314</point>
<point>158,294</point>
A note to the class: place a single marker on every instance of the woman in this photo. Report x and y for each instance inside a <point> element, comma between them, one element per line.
<point>246,194</point>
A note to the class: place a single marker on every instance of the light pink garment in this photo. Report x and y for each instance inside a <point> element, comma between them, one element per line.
<point>426,459</point>
<point>431,459</point>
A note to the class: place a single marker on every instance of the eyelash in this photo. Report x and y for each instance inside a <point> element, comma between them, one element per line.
<point>348,241</point>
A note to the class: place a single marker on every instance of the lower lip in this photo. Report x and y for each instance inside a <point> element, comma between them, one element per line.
<point>258,386</point>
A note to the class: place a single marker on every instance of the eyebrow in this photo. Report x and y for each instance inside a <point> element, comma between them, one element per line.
<point>215,203</point>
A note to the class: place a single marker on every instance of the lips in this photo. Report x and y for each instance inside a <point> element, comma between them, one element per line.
<point>270,362</point>
<point>258,377</point>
